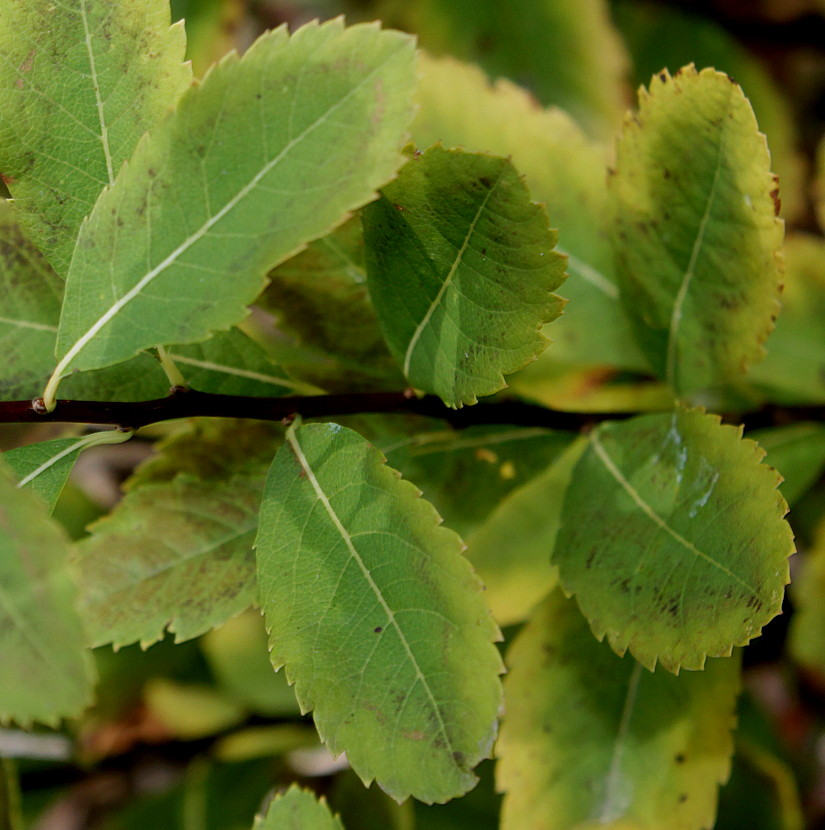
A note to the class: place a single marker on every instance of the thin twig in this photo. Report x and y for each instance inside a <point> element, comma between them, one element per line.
<point>189,403</point>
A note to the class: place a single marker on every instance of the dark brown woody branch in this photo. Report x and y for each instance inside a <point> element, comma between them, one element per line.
<point>182,403</point>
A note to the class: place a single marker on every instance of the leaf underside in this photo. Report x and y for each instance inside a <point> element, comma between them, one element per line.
<point>80,82</point>
<point>48,464</point>
<point>696,236</point>
<point>48,672</point>
<point>673,538</point>
<point>461,270</point>
<point>177,552</point>
<point>271,151</point>
<point>377,617</point>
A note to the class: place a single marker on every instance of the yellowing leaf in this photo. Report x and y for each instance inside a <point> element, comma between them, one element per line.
<point>511,550</point>
<point>696,235</point>
<point>567,51</point>
<point>461,270</point>
<point>594,741</point>
<point>673,538</point>
<point>377,617</point>
<point>80,82</point>
<point>807,635</point>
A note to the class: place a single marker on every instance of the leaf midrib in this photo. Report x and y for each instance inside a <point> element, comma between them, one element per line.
<point>347,539</point>
<point>104,130</point>
<point>611,809</point>
<point>611,467</point>
<point>690,270</point>
<point>449,278</point>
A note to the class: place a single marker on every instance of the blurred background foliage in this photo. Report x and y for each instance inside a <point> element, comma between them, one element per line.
<point>192,736</point>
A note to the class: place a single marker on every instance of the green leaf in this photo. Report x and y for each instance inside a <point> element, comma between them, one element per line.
<point>564,169</point>
<point>673,538</point>
<point>696,234</point>
<point>45,467</point>
<point>48,671</point>
<point>377,617</point>
<point>231,363</point>
<point>461,269</point>
<point>30,299</point>
<point>80,82</point>
<point>239,659</point>
<point>30,296</point>
<point>807,633</point>
<point>321,297</point>
<point>511,550</point>
<point>298,809</point>
<point>792,372</point>
<point>797,452</point>
<point>467,473</point>
<point>533,43</point>
<point>229,186</point>
<point>176,552</point>
<point>591,740</point>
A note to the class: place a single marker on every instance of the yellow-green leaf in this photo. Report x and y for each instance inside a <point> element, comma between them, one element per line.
<point>794,370</point>
<point>511,549</point>
<point>807,635</point>
<point>696,234</point>
<point>591,740</point>
<point>567,51</point>
<point>673,538</point>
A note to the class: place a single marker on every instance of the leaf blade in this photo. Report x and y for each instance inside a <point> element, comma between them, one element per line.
<point>297,808</point>
<point>457,237</point>
<point>390,587</point>
<point>176,553</point>
<point>593,740</point>
<point>460,108</point>
<point>80,78</point>
<point>45,467</point>
<point>43,638</point>
<point>673,538</point>
<point>244,212</point>
<point>701,306</point>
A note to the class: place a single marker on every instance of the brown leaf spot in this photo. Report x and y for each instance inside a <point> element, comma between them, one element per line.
<point>28,64</point>
<point>777,202</point>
